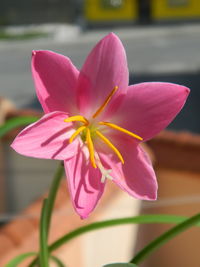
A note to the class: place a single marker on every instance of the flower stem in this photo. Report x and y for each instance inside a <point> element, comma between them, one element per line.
<point>50,202</point>
<point>52,193</point>
<point>44,253</point>
<point>159,241</point>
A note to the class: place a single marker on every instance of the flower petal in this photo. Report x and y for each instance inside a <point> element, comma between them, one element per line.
<point>104,68</point>
<point>149,107</point>
<point>84,184</point>
<point>47,138</point>
<point>136,176</point>
<point>55,80</point>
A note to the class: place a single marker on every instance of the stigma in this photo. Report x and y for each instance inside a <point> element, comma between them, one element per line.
<point>90,131</point>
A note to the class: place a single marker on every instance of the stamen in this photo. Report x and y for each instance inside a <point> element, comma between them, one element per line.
<point>78,131</point>
<point>107,142</point>
<point>77,118</point>
<point>90,147</point>
<point>99,110</point>
<point>116,127</point>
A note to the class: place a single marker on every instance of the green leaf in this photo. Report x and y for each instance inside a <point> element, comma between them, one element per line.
<point>142,219</point>
<point>43,253</point>
<point>162,239</point>
<point>120,265</point>
<point>16,122</point>
<point>17,260</point>
<point>58,261</point>
<point>52,193</point>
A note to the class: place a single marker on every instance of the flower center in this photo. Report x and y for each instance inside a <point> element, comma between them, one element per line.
<point>89,131</point>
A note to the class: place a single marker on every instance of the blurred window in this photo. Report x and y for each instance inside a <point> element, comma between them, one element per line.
<point>110,4</point>
<point>174,3</point>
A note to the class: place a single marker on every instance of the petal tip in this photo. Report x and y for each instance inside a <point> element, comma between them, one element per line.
<point>152,197</point>
<point>113,36</point>
<point>183,88</point>
<point>83,217</point>
<point>12,145</point>
<point>16,148</point>
<point>154,194</point>
<point>34,53</point>
<point>187,90</point>
<point>41,52</point>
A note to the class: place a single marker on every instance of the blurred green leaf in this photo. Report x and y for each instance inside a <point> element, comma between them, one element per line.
<point>142,219</point>
<point>162,239</point>
<point>58,261</point>
<point>16,122</point>
<point>4,35</point>
<point>17,260</point>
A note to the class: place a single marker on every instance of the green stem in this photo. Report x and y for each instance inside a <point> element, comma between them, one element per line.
<point>51,200</point>
<point>143,219</point>
<point>44,253</point>
<point>52,193</point>
<point>164,238</point>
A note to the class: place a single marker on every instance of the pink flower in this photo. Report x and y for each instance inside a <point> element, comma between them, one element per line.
<point>95,122</point>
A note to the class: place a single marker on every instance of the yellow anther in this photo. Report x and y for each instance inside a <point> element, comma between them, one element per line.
<point>90,147</point>
<point>116,127</point>
<point>78,131</point>
<point>107,142</point>
<point>99,110</point>
<point>77,118</point>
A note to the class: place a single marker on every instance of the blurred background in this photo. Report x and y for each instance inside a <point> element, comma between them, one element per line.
<point>162,41</point>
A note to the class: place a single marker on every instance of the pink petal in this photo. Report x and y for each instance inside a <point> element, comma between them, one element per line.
<point>84,184</point>
<point>47,138</point>
<point>136,176</point>
<point>149,107</point>
<point>55,80</point>
<point>104,68</point>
